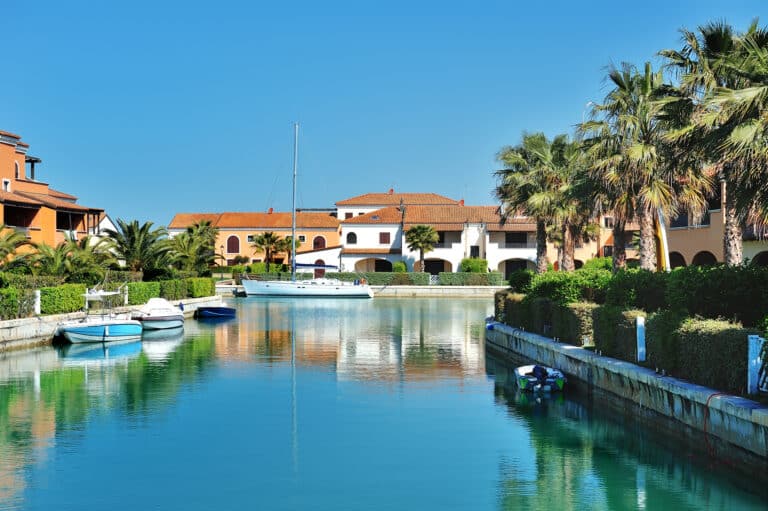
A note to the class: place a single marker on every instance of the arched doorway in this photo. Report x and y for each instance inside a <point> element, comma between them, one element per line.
<point>318,243</point>
<point>509,266</point>
<point>760,259</point>
<point>577,264</point>
<point>373,265</point>
<point>319,272</point>
<point>233,245</point>
<point>676,260</point>
<point>435,266</point>
<point>704,258</point>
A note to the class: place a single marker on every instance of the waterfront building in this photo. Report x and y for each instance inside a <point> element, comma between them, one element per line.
<point>31,206</point>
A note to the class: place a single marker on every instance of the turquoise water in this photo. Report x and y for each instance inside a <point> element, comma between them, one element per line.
<point>363,404</point>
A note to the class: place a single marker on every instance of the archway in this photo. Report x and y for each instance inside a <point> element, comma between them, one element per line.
<point>434,266</point>
<point>509,266</point>
<point>373,265</point>
<point>319,272</point>
<point>318,243</point>
<point>676,260</point>
<point>577,264</point>
<point>233,245</point>
<point>704,258</point>
<point>351,238</point>
<point>760,259</point>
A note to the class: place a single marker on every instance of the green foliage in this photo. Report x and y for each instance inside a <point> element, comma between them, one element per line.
<point>520,280</point>
<point>62,299</point>
<point>20,281</point>
<point>573,323</point>
<point>200,286</point>
<point>663,341</point>
<point>399,267</point>
<point>140,292</point>
<point>470,279</point>
<point>124,276</point>
<point>714,354</point>
<point>9,303</point>
<point>570,287</point>
<point>175,289</point>
<point>516,311</point>
<point>383,278</point>
<point>599,263</point>
<point>615,332</point>
<point>262,268</point>
<point>640,289</point>
<point>473,265</point>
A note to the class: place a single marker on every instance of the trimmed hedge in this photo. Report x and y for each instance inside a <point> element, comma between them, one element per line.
<point>140,292</point>
<point>20,281</point>
<point>62,299</point>
<point>16,303</point>
<point>399,267</point>
<point>639,289</point>
<point>573,323</point>
<point>173,289</point>
<point>615,332</point>
<point>520,280</point>
<point>200,286</point>
<point>473,265</point>
<point>570,287</point>
<point>383,278</point>
<point>471,279</point>
<point>570,323</point>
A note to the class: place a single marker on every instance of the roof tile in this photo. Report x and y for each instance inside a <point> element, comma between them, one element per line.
<point>393,199</point>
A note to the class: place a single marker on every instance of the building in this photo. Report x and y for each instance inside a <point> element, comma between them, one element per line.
<point>29,205</point>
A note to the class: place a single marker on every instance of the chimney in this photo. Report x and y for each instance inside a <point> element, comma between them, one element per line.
<point>461,202</point>
<point>270,211</point>
<point>391,191</point>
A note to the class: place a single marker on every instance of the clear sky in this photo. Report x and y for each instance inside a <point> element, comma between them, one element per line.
<point>151,108</point>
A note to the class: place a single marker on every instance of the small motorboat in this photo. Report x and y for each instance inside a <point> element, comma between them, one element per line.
<point>159,314</point>
<point>539,378</point>
<point>105,328</point>
<point>215,312</point>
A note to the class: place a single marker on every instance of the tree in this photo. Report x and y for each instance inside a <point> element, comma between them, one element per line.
<point>422,238</point>
<point>286,245</point>
<point>530,185</point>
<point>139,247</point>
<point>267,243</point>
<point>10,241</point>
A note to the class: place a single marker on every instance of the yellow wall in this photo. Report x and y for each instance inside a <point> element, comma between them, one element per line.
<point>332,239</point>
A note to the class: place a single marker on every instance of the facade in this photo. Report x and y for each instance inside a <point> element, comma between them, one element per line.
<point>45,215</point>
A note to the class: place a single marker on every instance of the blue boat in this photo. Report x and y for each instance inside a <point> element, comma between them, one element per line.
<point>100,329</point>
<point>215,312</point>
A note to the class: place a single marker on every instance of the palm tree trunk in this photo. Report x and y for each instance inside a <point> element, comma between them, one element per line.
<point>421,260</point>
<point>619,246</point>
<point>541,246</point>
<point>568,249</point>
<point>732,237</point>
<point>647,241</point>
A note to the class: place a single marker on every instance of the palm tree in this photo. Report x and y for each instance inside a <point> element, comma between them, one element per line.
<point>268,243</point>
<point>139,247</point>
<point>87,259</point>
<point>530,185</point>
<point>422,238</point>
<point>10,240</point>
<point>722,74</point>
<point>641,172</point>
<point>286,245</point>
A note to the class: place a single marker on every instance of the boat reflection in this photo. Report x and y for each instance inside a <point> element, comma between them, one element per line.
<point>158,345</point>
<point>106,353</point>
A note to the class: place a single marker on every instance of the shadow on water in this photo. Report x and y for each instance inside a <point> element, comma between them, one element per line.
<point>581,444</point>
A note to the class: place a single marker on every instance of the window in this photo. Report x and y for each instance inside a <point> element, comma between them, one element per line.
<point>515,239</point>
<point>302,238</point>
<point>608,251</point>
<point>608,222</point>
<point>474,251</point>
<point>361,213</point>
<point>250,238</point>
<point>351,238</point>
<point>680,220</point>
<point>440,239</point>
<point>16,164</point>
<point>714,203</point>
<point>233,245</point>
<point>318,243</point>
<point>347,215</point>
<point>6,185</point>
<point>384,238</point>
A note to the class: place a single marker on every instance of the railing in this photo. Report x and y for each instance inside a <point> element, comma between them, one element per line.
<point>516,245</point>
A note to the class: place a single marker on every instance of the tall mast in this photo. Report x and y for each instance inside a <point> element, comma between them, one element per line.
<point>293,203</point>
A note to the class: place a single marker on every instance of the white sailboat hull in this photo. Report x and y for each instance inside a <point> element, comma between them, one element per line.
<point>326,288</point>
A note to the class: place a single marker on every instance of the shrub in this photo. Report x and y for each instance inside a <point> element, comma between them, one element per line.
<point>573,323</point>
<point>200,286</point>
<point>20,281</point>
<point>62,299</point>
<point>516,311</point>
<point>495,278</point>
<point>173,289</point>
<point>470,279</point>
<point>384,278</point>
<point>662,342</point>
<point>615,332</point>
<point>473,265</point>
<point>9,303</point>
<point>399,267</point>
<point>262,268</point>
<point>140,292</point>
<point>124,276</point>
<point>570,287</point>
<point>599,263</point>
<point>520,280</point>
<point>639,289</point>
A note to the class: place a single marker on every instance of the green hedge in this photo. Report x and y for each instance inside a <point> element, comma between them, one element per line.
<point>20,281</point>
<point>383,278</point>
<point>399,267</point>
<point>473,265</point>
<point>520,280</point>
<point>62,299</point>
<point>639,289</point>
<point>573,323</point>
<point>516,311</point>
<point>470,279</point>
<point>140,292</point>
<point>123,276</point>
<point>173,289</point>
<point>569,287</point>
<point>615,332</point>
<point>16,303</point>
<point>662,342</point>
<point>201,286</point>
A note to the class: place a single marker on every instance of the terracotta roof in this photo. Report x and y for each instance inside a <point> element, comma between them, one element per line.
<point>393,199</point>
<point>9,134</point>
<point>184,220</point>
<point>57,203</point>
<point>18,199</point>
<point>58,194</point>
<point>277,220</point>
<point>309,249</point>
<point>444,218</point>
<point>364,251</point>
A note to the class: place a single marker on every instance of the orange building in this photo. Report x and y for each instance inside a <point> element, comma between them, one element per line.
<point>315,231</point>
<point>31,206</point>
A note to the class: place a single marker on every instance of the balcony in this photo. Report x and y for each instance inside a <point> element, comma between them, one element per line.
<point>516,245</point>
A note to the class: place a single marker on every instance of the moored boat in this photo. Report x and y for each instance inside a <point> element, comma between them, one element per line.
<point>315,288</point>
<point>159,314</point>
<point>215,312</point>
<point>100,329</point>
<point>539,378</point>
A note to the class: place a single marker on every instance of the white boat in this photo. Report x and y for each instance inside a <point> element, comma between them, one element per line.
<point>102,327</point>
<point>314,288</point>
<point>159,314</point>
<point>539,378</point>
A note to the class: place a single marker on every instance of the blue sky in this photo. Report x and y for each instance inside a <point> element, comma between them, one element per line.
<point>151,108</point>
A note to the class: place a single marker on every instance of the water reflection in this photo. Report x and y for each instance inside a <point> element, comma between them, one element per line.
<point>582,458</point>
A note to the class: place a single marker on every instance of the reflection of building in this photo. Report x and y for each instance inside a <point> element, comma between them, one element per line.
<point>31,206</point>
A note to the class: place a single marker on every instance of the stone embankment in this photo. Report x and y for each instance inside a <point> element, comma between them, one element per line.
<point>403,291</point>
<point>40,330</point>
<point>724,420</point>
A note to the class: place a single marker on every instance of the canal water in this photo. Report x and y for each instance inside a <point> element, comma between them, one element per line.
<point>387,404</point>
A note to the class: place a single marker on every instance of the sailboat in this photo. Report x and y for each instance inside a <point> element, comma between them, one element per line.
<point>313,288</point>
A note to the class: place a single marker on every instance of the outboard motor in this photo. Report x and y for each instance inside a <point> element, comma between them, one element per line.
<point>540,373</point>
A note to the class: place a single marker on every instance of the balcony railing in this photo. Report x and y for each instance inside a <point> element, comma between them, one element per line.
<point>516,245</point>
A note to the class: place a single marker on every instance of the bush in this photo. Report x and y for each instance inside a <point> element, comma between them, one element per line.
<point>173,289</point>
<point>599,263</point>
<point>615,332</point>
<point>399,267</point>
<point>123,276</point>
<point>520,280</point>
<point>62,299</point>
<point>573,323</point>
<point>10,303</point>
<point>473,265</point>
<point>516,310</point>
<point>200,286</point>
<point>262,268</point>
<point>662,342</point>
<point>20,281</point>
<point>384,278</point>
<point>640,289</point>
<point>470,279</point>
<point>140,292</point>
